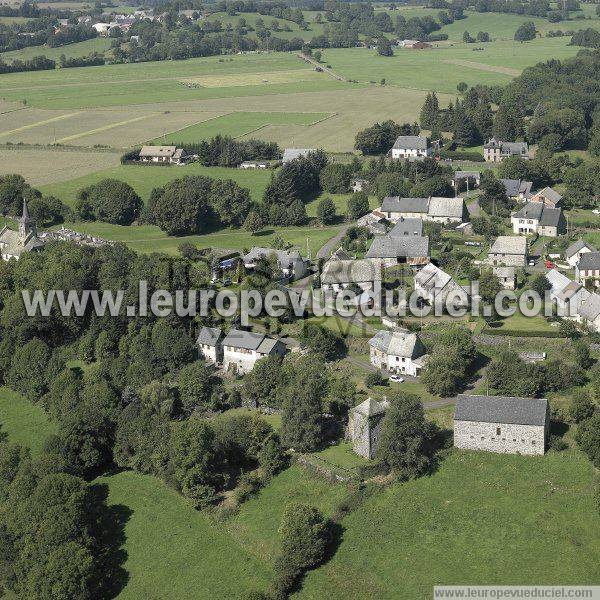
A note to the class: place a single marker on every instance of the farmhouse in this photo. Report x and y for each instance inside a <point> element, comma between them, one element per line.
<point>508,251</point>
<point>209,342</point>
<point>241,350</point>
<point>290,262</point>
<point>341,274</point>
<point>501,424</point>
<point>292,153</point>
<point>364,427</point>
<point>566,294</point>
<point>536,217</point>
<point>587,270</point>
<point>163,154</point>
<point>507,277</point>
<point>400,249</point>
<point>441,210</point>
<point>496,150</point>
<point>15,243</point>
<point>411,146</point>
<point>548,197</point>
<point>414,44</point>
<point>410,227</point>
<point>434,284</point>
<point>589,311</point>
<point>398,351</point>
<point>576,250</point>
<point>517,189</point>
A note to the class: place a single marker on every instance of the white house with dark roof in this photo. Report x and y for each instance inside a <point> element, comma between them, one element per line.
<point>495,150</point>
<point>411,147</point>
<point>441,210</point>
<point>15,243</point>
<point>339,275</point>
<point>576,250</point>
<point>503,424</point>
<point>548,196</point>
<point>433,285</point>
<point>508,251</point>
<point>289,262</point>
<point>398,351</point>
<point>209,342</point>
<point>241,349</point>
<point>290,154</point>
<point>162,154</point>
<point>587,270</point>
<point>536,217</point>
<point>517,189</point>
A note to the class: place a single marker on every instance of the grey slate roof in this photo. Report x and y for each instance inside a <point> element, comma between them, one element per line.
<point>504,272</point>
<point>557,280</point>
<point>243,339</point>
<point>292,153</point>
<point>412,142</point>
<point>589,261</point>
<point>410,226</point>
<point>514,187</point>
<point>548,217</point>
<point>284,257</point>
<point>550,194</point>
<point>405,205</point>
<point>589,308</point>
<point>158,151</point>
<point>370,407</point>
<point>509,244</point>
<point>501,409</point>
<point>398,343</point>
<point>351,271</point>
<point>466,175</point>
<point>388,246</point>
<point>577,246</point>
<point>432,278</point>
<point>446,207</point>
<point>551,217</point>
<point>209,336</point>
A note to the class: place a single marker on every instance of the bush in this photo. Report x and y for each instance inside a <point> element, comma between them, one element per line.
<point>375,378</point>
<point>556,443</point>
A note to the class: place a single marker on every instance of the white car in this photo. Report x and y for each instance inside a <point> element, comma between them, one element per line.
<point>531,263</point>
<point>396,378</point>
<point>596,211</point>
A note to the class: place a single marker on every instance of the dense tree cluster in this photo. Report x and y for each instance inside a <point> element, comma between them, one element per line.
<point>109,200</point>
<point>223,151</point>
<point>379,138</point>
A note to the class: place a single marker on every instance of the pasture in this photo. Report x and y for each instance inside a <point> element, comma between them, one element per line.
<point>76,50</point>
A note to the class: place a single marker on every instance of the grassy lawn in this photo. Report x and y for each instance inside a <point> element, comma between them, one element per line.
<point>24,423</point>
<point>482,518</point>
<point>144,179</point>
<point>519,322</point>
<point>75,50</point>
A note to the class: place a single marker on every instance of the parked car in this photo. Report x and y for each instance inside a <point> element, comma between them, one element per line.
<point>396,378</point>
<point>549,264</point>
<point>532,263</point>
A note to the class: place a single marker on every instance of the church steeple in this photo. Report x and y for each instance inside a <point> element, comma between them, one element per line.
<point>26,223</point>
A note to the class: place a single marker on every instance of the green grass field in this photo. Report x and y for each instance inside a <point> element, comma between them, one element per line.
<point>76,50</point>
<point>481,519</point>
<point>239,124</point>
<point>23,422</point>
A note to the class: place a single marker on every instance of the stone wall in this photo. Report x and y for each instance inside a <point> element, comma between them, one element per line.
<point>500,437</point>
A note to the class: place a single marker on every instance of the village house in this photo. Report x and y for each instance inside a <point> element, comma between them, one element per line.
<point>567,295</point>
<point>440,210</point>
<point>400,249</point>
<point>433,285</point>
<point>508,251</point>
<point>241,350</point>
<point>502,424</point>
<point>496,150</point>
<point>15,243</point>
<point>407,227</point>
<point>549,197</point>
<point>290,262</point>
<point>210,346</point>
<point>536,217</point>
<point>293,153</point>
<point>507,277</point>
<point>470,179</point>
<point>413,44</point>
<point>517,189</point>
<point>364,427</point>
<point>374,222</point>
<point>339,275</point>
<point>576,250</point>
<point>163,154</point>
<point>589,311</point>
<point>587,270</point>
<point>411,146</point>
<point>397,351</point>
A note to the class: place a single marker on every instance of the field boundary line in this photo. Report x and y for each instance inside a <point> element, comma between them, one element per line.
<point>77,136</point>
<point>327,70</point>
<point>329,116</point>
<point>39,123</point>
<point>192,124</point>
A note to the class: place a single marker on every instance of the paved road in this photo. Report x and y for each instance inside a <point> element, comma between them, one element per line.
<point>333,244</point>
<point>473,207</point>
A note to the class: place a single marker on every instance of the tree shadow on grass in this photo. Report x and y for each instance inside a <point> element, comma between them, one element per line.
<point>263,233</point>
<point>108,527</point>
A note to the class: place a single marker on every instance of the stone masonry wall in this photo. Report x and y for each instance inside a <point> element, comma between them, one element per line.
<point>513,439</point>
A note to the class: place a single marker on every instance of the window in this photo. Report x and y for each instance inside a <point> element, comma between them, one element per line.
<point>533,442</point>
<point>497,430</point>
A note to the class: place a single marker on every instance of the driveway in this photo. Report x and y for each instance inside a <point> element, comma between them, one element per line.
<point>333,244</point>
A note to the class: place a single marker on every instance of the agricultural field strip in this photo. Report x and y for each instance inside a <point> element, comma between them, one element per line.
<point>39,123</point>
<point>76,136</point>
<point>470,64</point>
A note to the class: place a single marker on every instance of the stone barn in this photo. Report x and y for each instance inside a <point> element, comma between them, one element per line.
<point>501,424</point>
<point>364,427</point>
